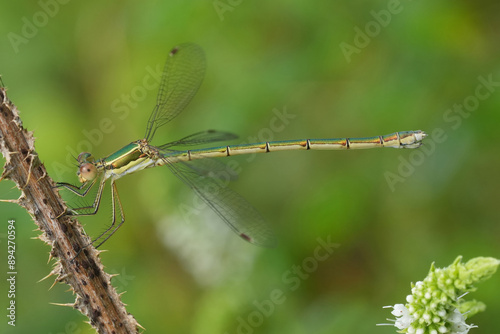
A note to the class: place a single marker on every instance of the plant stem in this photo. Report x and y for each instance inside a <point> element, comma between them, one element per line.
<point>96,298</point>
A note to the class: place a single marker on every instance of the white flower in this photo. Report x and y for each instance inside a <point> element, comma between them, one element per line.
<point>403,316</point>
<point>458,325</point>
<point>433,307</point>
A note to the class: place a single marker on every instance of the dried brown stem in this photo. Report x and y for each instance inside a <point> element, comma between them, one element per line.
<point>96,298</point>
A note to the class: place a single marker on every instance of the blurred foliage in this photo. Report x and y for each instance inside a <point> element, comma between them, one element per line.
<point>70,76</point>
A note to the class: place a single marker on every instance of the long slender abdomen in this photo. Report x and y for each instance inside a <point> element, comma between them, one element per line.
<point>403,139</point>
<point>406,139</point>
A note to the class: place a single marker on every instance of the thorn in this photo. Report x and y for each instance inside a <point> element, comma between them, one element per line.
<point>53,284</point>
<point>32,156</point>
<point>50,274</point>
<point>57,280</point>
<point>67,304</point>
<point>61,214</point>
<point>10,200</point>
<point>5,174</point>
<point>43,176</point>
<point>61,277</point>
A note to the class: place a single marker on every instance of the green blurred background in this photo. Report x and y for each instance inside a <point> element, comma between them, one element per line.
<point>75,69</point>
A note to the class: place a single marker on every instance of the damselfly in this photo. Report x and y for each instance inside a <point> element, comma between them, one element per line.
<point>183,73</point>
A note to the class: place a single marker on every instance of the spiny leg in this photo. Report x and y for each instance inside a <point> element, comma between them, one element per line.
<point>114,193</point>
<point>76,189</point>
<point>114,199</point>
<point>94,206</point>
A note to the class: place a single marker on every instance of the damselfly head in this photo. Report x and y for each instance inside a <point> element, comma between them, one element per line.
<point>87,172</point>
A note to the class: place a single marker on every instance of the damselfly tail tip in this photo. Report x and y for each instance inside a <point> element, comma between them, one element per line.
<point>411,139</point>
<point>420,135</point>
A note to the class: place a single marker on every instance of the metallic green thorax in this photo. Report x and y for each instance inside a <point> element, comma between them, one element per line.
<point>129,159</point>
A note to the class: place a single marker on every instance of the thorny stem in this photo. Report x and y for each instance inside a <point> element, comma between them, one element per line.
<point>96,298</point>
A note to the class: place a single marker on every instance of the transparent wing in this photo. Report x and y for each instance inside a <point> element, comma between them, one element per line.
<point>203,137</point>
<point>182,76</point>
<point>211,167</point>
<point>240,215</point>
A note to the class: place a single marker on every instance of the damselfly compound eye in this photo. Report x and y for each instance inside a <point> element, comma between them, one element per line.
<point>87,172</point>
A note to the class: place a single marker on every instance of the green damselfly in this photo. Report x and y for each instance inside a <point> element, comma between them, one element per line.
<point>183,73</point>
